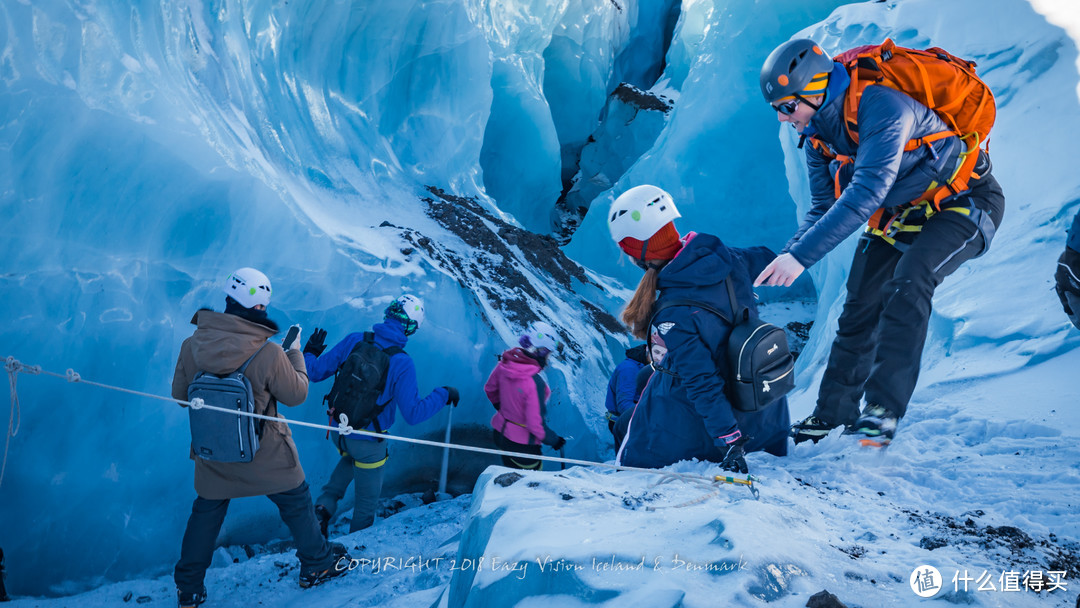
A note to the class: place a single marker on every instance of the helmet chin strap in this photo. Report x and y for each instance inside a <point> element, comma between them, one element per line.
<point>816,107</point>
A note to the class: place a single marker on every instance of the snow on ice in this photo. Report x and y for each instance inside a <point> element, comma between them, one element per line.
<point>354,151</point>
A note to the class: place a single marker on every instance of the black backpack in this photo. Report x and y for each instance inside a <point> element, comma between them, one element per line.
<point>761,367</point>
<point>359,382</point>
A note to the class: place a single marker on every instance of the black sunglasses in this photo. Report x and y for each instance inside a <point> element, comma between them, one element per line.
<point>788,107</point>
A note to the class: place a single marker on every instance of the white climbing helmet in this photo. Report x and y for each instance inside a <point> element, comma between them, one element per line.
<point>409,310</point>
<point>540,339</point>
<point>249,287</point>
<point>640,212</point>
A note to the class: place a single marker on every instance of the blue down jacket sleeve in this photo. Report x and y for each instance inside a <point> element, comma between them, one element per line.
<point>883,174</point>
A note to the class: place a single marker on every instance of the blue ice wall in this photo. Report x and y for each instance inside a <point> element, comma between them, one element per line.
<point>147,149</point>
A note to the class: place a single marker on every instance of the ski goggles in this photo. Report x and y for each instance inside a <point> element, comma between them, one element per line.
<point>788,107</point>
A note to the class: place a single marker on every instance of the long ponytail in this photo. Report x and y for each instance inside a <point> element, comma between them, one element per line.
<point>639,308</point>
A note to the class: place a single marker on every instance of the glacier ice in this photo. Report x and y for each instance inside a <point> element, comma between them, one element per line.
<point>354,151</point>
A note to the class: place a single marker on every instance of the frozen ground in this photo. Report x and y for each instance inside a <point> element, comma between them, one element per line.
<point>973,484</point>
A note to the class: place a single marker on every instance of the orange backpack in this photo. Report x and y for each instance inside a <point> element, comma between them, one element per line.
<point>937,79</point>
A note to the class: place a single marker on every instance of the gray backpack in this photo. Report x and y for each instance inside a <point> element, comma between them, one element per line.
<point>219,436</point>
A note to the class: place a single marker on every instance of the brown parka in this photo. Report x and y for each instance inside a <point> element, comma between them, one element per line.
<point>220,345</point>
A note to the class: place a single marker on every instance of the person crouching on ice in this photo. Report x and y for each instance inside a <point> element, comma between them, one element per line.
<point>520,397</point>
<point>684,412</point>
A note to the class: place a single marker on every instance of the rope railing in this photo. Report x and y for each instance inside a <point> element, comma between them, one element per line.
<point>15,367</point>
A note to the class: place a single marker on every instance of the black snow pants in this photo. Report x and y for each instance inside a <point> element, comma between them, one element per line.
<point>207,515</point>
<point>882,329</point>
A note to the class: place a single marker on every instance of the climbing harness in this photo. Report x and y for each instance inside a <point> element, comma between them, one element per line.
<point>943,83</point>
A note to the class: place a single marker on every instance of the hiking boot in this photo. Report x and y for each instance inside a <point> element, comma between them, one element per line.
<point>876,423</point>
<point>811,428</point>
<point>323,515</point>
<point>190,600</point>
<point>338,567</point>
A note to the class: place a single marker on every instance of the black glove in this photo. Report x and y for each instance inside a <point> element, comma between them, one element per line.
<point>735,458</point>
<point>452,396</point>
<point>559,443</point>
<point>315,343</point>
<point>1067,284</point>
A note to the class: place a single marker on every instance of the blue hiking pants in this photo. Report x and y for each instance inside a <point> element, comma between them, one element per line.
<point>361,464</point>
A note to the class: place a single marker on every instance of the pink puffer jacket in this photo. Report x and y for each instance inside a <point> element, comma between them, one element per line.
<point>513,388</point>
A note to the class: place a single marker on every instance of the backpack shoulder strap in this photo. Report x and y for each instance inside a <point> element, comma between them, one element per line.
<point>250,359</point>
<point>541,388</point>
<point>818,144</point>
<point>664,304</point>
<point>368,338</point>
<point>390,351</point>
<point>738,313</point>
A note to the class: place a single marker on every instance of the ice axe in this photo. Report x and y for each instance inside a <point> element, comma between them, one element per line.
<point>739,481</point>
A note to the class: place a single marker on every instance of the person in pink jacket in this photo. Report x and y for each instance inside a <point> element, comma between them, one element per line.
<point>520,398</point>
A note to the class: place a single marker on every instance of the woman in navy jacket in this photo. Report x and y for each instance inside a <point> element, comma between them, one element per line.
<point>684,412</point>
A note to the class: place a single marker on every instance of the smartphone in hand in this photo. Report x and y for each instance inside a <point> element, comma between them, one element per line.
<point>290,337</point>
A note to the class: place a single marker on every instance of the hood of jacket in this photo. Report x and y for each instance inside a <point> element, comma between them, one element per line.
<point>223,342</point>
<point>698,271</point>
<point>390,333</point>
<point>638,353</point>
<point>516,363</point>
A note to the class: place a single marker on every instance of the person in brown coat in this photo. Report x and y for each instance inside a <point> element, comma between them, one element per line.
<point>221,345</point>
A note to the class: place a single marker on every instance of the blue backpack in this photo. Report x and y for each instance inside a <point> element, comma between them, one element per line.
<point>220,436</point>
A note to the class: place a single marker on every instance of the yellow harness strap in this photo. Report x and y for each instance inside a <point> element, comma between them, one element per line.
<point>898,224</point>
<point>534,465</point>
<point>365,465</point>
<point>371,465</point>
<point>923,210</point>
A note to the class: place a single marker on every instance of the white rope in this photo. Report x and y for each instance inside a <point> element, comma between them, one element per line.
<point>15,418</point>
<point>343,428</point>
<point>714,492</point>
